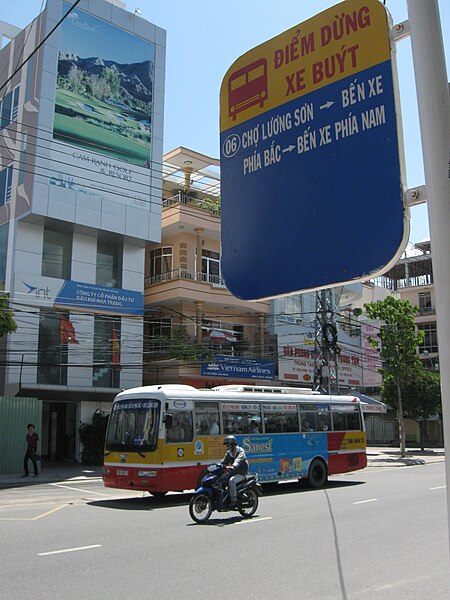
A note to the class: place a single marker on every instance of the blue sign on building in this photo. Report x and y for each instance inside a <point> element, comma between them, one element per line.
<point>96,298</point>
<point>311,184</point>
<point>238,368</point>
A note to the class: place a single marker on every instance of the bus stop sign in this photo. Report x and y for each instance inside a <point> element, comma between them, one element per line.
<point>311,178</point>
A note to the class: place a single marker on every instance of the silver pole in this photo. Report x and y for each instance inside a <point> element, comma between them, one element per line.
<point>434,114</point>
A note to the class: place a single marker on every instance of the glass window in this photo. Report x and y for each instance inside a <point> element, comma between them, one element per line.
<point>346,417</point>
<point>430,340</point>
<point>106,369</point>
<point>159,327</point>
<point>57,254</point>
<point>160,261</point>
<point>207,420</point>
<point>4,232</point>
<point>211,266</point>
<point>109,264</point>
<point>6,184</point>
<point>424,302</point>
<point>242,422</point>
<point>315,417</point>
<point>280,422</point>
<point>181,430</point>
<point>133,425</point>
<point>52,349</point>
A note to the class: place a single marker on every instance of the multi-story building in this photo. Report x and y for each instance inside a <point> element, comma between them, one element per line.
<point>80,196</point>
<point>185,295</point>
<point>412,279</point>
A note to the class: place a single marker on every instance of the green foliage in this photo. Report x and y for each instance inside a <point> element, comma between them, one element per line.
<point>7,322</point>
<point>397,344</point>
<point>181,346</point>
<point>397,340</point>
<point>92,436</point>
<point>421,395</point>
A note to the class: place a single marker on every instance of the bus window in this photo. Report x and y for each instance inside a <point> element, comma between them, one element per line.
<point>315,417</point>
<point>242,422</point>
<point>280,418</point>
<point>346,417</point>
<point>181,430</point>
<point>207,418</point>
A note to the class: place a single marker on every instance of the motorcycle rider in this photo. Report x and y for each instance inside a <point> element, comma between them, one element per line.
<point>236,461</point>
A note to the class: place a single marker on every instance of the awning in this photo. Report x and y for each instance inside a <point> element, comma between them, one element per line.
<point>370,405</point>
<point>220,336</point>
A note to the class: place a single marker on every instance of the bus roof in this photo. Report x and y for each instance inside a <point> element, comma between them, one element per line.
<point>187,392</point>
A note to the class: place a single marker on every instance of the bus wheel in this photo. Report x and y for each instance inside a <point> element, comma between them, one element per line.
<point>200,508</point>
<point>317,474</point>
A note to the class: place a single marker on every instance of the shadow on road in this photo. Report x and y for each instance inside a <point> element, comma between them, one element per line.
<point>183,498</point>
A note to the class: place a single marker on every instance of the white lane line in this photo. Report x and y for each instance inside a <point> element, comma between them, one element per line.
<point>439,487</point>
<point>69,550</point>
<point>254,520</point>
<point>365,501</point>
<point>68,487</point>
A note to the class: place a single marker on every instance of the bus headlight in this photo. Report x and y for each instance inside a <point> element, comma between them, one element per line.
<point>106,471</point>
<point>147,473</point>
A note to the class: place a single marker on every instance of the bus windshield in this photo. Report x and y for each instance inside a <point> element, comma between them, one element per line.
<point>133,426</point>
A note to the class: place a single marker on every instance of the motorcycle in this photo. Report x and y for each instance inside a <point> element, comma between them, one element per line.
<point>211,495</point>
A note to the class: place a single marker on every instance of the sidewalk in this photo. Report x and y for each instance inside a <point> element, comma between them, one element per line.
<point>376,457</point>
<point>52,472</point>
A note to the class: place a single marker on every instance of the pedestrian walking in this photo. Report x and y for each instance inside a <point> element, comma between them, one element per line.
<point>31,452</point>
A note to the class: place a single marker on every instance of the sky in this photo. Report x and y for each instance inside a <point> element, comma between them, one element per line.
<point>204,37</point>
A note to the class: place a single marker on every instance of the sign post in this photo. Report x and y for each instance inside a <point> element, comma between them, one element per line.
<point>311,176</point>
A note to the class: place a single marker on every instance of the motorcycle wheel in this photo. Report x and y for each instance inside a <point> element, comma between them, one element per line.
<point>200,508</point>
<point>248,504</point>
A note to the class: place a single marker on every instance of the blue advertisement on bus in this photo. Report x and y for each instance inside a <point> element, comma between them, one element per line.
<point>285,456</point>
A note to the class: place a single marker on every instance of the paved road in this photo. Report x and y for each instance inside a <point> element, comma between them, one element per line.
<point>379,533</point>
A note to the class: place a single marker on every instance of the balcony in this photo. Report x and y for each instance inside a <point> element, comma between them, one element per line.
<point>214,280</point>
<point>210,205</point>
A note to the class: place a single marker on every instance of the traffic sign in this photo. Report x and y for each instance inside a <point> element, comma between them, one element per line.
<point>311,178</point>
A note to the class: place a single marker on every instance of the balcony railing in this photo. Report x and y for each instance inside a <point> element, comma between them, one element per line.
<point>214,280</point>
<point>211,205</point>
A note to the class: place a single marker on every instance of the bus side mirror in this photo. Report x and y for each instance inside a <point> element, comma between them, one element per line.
<point>168,420</point>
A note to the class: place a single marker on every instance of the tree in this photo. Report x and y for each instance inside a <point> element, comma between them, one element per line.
<point>181,346</point>
<point>7,322</point>
<point>421,397</point>
<point>397,344</point>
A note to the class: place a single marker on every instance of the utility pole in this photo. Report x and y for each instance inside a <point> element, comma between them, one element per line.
<point>326,377</point>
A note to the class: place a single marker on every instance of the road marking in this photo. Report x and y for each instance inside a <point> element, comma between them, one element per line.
<point>254,520</point>
<point>439,487</point>
<point>67,487</point>
<point>365,501</point>
<point>49,512</point>
<point>69,550</point>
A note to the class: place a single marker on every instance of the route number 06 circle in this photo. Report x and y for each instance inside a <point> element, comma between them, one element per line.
<point>231,145</point>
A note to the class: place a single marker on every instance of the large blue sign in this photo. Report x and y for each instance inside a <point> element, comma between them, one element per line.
<point>238,368</point>
<point>311,186</point>
<point>96,298</point>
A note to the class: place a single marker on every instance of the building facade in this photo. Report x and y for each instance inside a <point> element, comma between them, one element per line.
<point>186,298</point>
<point>80,196</point>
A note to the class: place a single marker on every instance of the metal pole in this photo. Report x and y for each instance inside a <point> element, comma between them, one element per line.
<point>434,113</point>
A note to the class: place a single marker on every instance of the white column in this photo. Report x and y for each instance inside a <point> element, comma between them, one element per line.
<point>434,114</point>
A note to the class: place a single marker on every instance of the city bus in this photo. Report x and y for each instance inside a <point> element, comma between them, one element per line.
<point>160,438</point>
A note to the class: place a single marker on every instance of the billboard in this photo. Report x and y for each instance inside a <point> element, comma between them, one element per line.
<point>102,126</point>
<point>310,161</point>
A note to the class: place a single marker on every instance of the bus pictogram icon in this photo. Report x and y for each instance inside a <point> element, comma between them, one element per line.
<point>247,86</point>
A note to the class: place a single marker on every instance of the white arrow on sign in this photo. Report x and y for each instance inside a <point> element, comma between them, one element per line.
<point>327,105</point>
<point>288,149</point>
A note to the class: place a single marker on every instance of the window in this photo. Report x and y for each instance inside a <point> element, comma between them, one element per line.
<point>52,349</point>
<point>160,262</point>
<point>106,370</point>
<point>244,419</point>
<point>207,418</point>
<point>109,264</point>
<point>160,327</point>
<point>9,107</point>
<point>430,341</point>
<point>6,184</point>
<point>280,418</point>
<point>315,417</point>
<point>346,417</point>
<point>181,430</point>
<point>211,266</point>
<point>4,232</point>
<point>425,302</point>
<point>57,254</point>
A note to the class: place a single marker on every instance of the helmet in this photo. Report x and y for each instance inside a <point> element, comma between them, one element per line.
<point>230,440</point>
